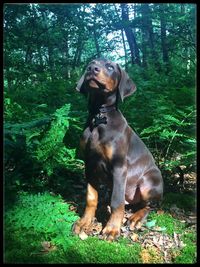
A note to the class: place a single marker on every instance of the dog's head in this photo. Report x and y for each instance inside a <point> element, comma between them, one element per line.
<point>105,77</point>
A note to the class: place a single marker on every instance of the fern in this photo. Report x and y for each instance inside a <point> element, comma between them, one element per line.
<point>51,151</point>
<point>42,213</point>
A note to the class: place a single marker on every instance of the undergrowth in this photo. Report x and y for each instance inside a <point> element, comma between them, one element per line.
<point>36,219</point>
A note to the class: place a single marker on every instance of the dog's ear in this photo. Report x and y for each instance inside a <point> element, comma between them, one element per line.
<point>126,85</point>
<point>80,87</point>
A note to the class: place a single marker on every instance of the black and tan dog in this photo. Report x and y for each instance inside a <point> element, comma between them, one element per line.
<point>114,154</point>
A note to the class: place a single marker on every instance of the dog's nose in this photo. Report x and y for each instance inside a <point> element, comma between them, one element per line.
<point>94,68</point>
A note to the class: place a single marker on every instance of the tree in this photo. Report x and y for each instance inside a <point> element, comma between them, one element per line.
<point>135,58</point>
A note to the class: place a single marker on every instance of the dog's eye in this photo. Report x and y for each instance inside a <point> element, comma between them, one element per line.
<point>110,67</point>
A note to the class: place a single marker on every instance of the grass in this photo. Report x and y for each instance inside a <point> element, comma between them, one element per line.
<point>166,220</point>
<point>40,218</point>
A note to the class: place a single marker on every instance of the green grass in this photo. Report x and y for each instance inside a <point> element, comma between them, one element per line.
<point>43,217</point>
<point>166,220</point>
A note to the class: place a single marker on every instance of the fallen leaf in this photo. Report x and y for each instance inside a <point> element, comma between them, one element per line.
<point>160,229</point>
<point>134,237</point>
<point>83,235</point>
<point>160,211</point>
<point>47,246</point>
<point>150,224</point>
<point>176,239</point>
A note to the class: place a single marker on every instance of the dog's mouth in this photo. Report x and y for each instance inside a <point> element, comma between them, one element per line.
<point>94,83</point>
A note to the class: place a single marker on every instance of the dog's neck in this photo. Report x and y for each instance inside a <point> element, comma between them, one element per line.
<point>99,106</point>
<point>101,103</point>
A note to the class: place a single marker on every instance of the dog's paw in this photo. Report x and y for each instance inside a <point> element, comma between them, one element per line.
<point>111,232</point>
<point>80,225</point>
<point>136,220</point>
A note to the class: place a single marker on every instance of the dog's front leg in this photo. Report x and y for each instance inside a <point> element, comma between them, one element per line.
<point>112,229</point>
<point>90,209</point>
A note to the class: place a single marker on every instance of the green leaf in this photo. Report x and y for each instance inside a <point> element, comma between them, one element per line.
<point>150,224</point>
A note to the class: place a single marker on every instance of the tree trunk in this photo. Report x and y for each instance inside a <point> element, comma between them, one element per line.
<point>51,63</point>
<point>135,58</point>
<point>164,46</point>
<point>78,51</point>
<point>148,36</point>
<point>96,41</point>
<point>125,52</point>
<point>123,41</point>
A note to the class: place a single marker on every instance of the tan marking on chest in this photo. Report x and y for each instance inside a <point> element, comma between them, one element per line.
<point>107,151</point>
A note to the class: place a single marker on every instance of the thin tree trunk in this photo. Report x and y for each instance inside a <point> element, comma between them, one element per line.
<point>77,53</point>
<point>165,55</point>
<point>51,63</point>
<point>148,35</point>
<point>96,41</point>
<point>135,58</point>
<point>125,52</point>
<point>123,41</point>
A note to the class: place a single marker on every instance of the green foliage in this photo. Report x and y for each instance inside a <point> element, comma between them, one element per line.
<point>167,221</point>
<point>43,217</point>
<point>39,149</point>
<point>106,252</point>
<point>51,151</point>
<point>43,213</point>
<point>182,201</point>
<point>38,218</point>
<point>13,111</point>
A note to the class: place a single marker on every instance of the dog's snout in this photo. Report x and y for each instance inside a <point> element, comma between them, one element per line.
<point>93,68</point>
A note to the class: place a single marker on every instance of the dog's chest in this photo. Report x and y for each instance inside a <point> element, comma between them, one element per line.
<point>97,146</point>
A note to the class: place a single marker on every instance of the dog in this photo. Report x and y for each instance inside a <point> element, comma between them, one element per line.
<point>114,154</point>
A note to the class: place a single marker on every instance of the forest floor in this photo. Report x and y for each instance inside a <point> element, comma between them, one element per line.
<point>159,244</point>
<point>38,230</point>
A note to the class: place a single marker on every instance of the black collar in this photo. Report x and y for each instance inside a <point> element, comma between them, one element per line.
<point>105,109</point>
<point>100,118</point>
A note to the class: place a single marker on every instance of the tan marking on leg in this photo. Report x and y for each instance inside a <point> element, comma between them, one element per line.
<point>91,205</point>
<point>112,229</point>
<point>138,218</point>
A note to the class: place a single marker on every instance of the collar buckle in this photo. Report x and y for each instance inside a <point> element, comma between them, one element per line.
<point>99,119</point>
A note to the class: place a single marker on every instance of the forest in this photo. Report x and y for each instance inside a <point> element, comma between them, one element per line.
<point>46,48</point>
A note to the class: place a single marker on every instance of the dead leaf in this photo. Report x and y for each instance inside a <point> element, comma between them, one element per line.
<point>47,246</point>
<point>159,228</point>
<point>160,211</point>
<point>134,237</point>
<point>176,239</point>
<point>83,235</point>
